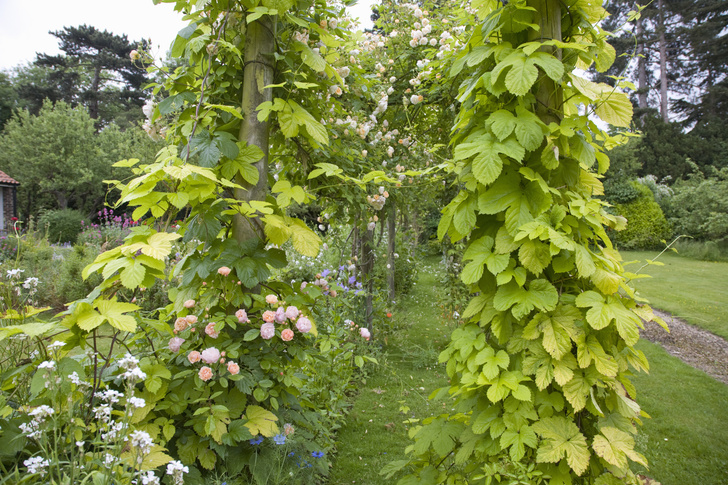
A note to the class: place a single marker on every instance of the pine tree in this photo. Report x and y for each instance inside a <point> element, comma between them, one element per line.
<point>112,83</point>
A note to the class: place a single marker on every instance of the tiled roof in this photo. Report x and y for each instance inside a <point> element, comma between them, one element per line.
<point>6,179</point>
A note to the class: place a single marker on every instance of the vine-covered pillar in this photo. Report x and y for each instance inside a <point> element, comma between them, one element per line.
<point>549,94</point>
<point>259,69</point>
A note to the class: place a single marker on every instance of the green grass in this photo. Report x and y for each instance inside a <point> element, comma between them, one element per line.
<point>686,441</point>
<point>397,391</point>
<point>692,290</point>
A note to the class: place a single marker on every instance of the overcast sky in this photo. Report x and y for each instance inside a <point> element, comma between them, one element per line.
<point>24,24</point>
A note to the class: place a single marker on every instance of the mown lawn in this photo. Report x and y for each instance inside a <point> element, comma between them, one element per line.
<point>685,441</point>
<point>696,291</point>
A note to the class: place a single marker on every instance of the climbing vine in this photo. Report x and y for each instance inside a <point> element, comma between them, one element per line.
<point>540,369</point>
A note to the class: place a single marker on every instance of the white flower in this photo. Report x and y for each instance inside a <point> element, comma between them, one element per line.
<point>371,226</point>
<point>36,464</point>
<point>177,470</point>
<point>15,272</point>
<point>102,413</point>
<point>392,79</point>
<point>32,283</point>
<point>57,344</point>
<point>110,395</point>
<point>135,374</point>
<point>416,98</point>
<point>48,364</point>
<point>148,109</point>
<point>109,460</point>
<point>137,402</point>
<point>128,362</point>
<point>150,479</point>
<point>142,441</point>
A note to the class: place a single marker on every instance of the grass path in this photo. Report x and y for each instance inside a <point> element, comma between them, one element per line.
<point>685,442</point>
<point>397,390</point>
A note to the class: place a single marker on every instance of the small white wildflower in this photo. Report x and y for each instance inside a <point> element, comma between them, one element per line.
<point>135,374</point>
<point>48,364</point>
<point>128,362</point>
<point>14,272</point>
<point>36,464</point>
<point>142,441</point>
<point>137,402</point>
<point>177,470</point>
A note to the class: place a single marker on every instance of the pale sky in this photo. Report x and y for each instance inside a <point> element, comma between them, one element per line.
<point>24,24</point>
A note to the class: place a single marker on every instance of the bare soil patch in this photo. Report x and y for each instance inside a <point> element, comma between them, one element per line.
<point>693,345</point>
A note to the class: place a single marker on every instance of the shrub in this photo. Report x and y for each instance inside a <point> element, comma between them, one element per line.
<point>109,232</point>
<point>646,224</point>
<point>62,225</point>
<point>699,207</point>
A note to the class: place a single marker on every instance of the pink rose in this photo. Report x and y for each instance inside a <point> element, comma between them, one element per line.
<point>292,312</point>
<point>210,355</point>
<point>280,315</point>
<point>205,373</point>
<point>267,331</point>
<point>287,335</point>
<point>223,270</point>
<point>269,316</point>
<point>189,303</point>
<point>191,319</point>
<point>193,356</point>
<point>271,299</point>
<point>364,332</point>
<point>242,316</point>
<point>175,343</point>
<point>303,325</point>
<point>210,330</point>
<point>181,324</point>
<point>233,368</point>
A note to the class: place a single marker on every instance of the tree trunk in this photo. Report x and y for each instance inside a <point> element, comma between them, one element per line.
<point>93,107</point>
<point>641,67</point>
<point>367,267</point>
<point>258,73</point>
<point>663,60</point>
<point>391,235</point>
<point>549,97</point>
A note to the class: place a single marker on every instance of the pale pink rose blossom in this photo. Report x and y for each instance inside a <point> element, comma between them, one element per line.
<point>175,343</point>
<point>233,368</point>
<point>280,315</point>
<point>205,373</point>
<point>181,324</point>
<point>189,303</point>
<point>303,325</point>
<point>271,299</point>
<point>242,316</point>
<point>210,355</point>
<point>288,429</point>
<point>191,319</point>
<point>210,330</point>
<point>364,332</point>
<point>292,312</point>
<point>269,316</point>
<point>287,335</point>
<point>267,331</point>
<point>193,357</point>
<point>223,270</point>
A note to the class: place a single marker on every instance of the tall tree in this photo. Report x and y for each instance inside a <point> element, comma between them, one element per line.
<point>114,82</point>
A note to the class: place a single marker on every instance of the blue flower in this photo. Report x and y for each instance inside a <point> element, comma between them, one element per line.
<point>352,280</point>
<point>325,273</point>
<point>256,441</point>
<point>279,439</point>
<point>317,454</point>
<point>342,268</point>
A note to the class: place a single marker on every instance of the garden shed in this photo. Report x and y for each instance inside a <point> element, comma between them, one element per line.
<point>8,201</point>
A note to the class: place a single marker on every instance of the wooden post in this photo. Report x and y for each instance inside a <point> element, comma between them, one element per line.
<point>391,247</point>
<point>258,73</point>
<point>549,97</point>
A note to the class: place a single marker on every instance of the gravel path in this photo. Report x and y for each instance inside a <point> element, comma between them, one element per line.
<point>693,345</point>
